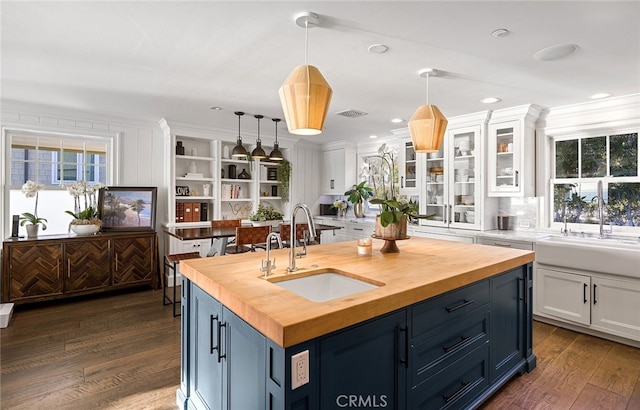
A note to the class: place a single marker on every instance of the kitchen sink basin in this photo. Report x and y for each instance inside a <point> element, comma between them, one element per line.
<point>615,256</point>
<point>324,284</point>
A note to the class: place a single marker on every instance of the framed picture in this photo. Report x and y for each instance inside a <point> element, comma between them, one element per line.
<point>128,208</point>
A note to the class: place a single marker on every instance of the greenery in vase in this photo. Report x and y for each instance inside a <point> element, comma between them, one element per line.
<point>359,193</point>
<point>265,213</point>
<point>30,189</point>
<point>283,173</point>
<point>391,207</point>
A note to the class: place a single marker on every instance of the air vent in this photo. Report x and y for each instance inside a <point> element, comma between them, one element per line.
<point>350,113</point>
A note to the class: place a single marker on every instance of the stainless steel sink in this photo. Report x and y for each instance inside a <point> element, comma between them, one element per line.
<point>615,256</point>
<point>323,285</point>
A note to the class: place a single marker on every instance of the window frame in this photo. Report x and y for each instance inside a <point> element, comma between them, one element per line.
<point>112,139</point>
<point>551,181</point>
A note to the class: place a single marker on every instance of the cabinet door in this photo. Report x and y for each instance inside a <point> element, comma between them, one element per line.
<point>367,362</point>
<point>35,270</point>
<point>408,169</point>
<point>87,265</point>
<point>615,307</point>
<point>462,172</point>
<point>564,295</point>
<point>133,260</point>
<point>507,321</point>
<point>244,382</point>
<point>504,174</point>
<point>333,172</point>
<point>205,361</point>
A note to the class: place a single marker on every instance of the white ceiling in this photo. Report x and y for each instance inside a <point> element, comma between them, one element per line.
<point>174,59</point>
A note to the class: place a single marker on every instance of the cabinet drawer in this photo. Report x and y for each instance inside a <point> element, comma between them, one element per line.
<point>360,230</point>
<point>448,308</point>
<point>446,344</point>
<point>456,385</point>
<point>504,243</point>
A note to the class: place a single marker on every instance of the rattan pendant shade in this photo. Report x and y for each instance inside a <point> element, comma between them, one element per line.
<point>427,127</point>
<point>305,97</point>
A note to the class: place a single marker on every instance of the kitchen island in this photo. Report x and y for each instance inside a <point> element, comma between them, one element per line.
<point>444,326</point>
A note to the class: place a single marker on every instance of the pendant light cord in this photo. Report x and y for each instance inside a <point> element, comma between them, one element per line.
<point>427,88</point>
<point>306,65</point>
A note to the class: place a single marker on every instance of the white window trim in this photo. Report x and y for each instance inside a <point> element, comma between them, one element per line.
<point>113,152</point>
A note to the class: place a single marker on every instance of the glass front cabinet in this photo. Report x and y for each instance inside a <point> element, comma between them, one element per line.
<point>454,194</point>
<point>511,152</point>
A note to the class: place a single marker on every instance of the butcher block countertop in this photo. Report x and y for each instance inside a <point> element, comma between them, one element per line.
<point>424,268</point>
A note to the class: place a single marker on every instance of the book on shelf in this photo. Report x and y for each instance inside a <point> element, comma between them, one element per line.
<point>188,212</point>
<point>231,191</point>
<point>204,211</point>
<point>193,175</point>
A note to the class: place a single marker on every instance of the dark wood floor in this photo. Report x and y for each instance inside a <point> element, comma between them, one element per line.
<point>123,352</point>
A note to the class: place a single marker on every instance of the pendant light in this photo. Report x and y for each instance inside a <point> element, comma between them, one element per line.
<point>276,154</point>
<point>239,151</point>
<point>305,95</point>
<point>428,124</point>
<point>258,152</point>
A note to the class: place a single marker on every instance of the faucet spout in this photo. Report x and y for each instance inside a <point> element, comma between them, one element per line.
<point>312,231</point>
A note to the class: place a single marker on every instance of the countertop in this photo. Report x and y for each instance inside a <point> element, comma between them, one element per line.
<point>424,268</point>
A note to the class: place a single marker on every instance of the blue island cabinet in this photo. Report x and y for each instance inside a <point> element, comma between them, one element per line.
<point>451,351</point>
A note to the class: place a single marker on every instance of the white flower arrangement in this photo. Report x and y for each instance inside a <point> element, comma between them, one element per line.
<point>30,189</point>
<point>88,214</point>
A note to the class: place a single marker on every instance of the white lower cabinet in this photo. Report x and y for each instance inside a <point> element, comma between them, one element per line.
<point>599,302</point>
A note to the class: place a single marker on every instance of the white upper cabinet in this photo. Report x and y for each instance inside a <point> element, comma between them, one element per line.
<point>338,169</point>
<point>511,152</point>
<point>454,191</point>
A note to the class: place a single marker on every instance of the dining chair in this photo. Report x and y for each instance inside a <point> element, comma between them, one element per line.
<point>171,262</point>
<point>248,238</point>
<point>285,233</point>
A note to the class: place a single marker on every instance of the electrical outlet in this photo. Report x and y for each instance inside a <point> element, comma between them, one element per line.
<point>524,224</point>
<point>299,369</point>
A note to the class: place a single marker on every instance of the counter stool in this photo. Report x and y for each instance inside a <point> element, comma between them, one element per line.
<point>171,262</point>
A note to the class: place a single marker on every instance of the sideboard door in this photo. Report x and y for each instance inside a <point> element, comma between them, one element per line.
<point>133,259</point>
<point>86,265</point>
<point>34,271</point>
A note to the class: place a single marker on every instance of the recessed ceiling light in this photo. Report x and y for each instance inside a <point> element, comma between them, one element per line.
<point>556,52</point>
<point>215,108</point>
<point>397,120</point>
<point>501,32</point>
<point>490,100</point>
<point>597,96</point>
<point>378,48</point>
<point>373,137</point>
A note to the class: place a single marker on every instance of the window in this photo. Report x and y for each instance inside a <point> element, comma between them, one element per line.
<point>54,160</point>
<point>580,162</point>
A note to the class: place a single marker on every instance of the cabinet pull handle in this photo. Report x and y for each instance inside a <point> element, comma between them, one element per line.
<point>461,342</point>
<point>517,178</point>
<point>331,184</point>
<point>68,268</point>
<point>211,323</point>
<point>594,293</point>
<point>405,359</point>
<point>355,229</point>
<point>522,289</point>
<point>461,391</point>
<point>401,182</point>
<point>460,306</point>
<point>116,262</point>
<point>220,355</point>
<point>584,293</point>
<point>504,245</point>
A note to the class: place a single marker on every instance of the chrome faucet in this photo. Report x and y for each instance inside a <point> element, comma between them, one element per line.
<point>312,231</point>
<point>565,231</point>
<point>601,212</point>
<point>268,265</point>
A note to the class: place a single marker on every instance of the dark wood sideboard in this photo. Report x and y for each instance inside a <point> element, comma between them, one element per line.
<point>61,266</point>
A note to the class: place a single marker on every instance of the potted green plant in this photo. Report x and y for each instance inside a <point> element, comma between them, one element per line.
<point>394,213</point>
<point>283,174</point>
<point>266,215</point>
<point>30,189</point>
<point>357,195</point>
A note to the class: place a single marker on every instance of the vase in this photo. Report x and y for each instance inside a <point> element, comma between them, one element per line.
<point>83,230</point>
<point>392,231</point>
<point>358,209</point>
<point>32,231</point>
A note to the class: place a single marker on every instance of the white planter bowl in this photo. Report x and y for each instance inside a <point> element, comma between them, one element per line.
<point>83,230</point>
